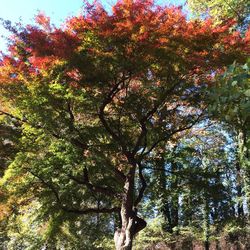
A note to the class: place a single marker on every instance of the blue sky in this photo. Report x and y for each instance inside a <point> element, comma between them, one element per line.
<point>57,10</point>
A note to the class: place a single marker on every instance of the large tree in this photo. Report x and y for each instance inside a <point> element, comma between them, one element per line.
<point>98,99</point>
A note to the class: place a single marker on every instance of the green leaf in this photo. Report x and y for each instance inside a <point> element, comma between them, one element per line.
<point>247,93</point>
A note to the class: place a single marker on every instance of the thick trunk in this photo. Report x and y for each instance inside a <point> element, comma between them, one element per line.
<point>130,227</point>
<point>131,223</point>
<point>124,237</point>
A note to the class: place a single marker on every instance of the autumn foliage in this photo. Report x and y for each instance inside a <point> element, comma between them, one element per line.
<point>110,89</point>
<point>134,35</point>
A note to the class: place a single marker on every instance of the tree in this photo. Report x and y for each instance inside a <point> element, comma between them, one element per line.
<point>230,103</point>
<point>221,10</point>
<point>98,99</point>
<point>229,97</point>
<point>199,169</point>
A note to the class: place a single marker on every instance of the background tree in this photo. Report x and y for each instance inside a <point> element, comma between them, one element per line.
<point>221,10</point>
<point>229,97</point>
<point>230,103</point>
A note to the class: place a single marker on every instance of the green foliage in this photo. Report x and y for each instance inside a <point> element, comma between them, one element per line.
<point>154,237</point>
<point>153,234</point>
<point>221,10</point>
<point>232,235</point>
<point>230,103</point>
<point>230,95</point>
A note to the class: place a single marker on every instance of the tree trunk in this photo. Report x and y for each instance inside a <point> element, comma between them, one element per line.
<point>174,197</point>
<point>239,190</point>
<point>162,193</point>
<point>206,222</point>
<point>130,227</point>
<point>243,159</point>
<point>131,223</point>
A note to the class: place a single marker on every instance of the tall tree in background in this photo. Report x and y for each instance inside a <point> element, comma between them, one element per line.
<point>230,95</point>
<point>98,100</point>
<point>230,104</point>
<point>222,10</point>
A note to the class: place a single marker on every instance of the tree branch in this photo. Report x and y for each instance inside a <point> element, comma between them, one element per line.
<point>144,119</point>
<point>95,188</point>
<point>94,210</point>
<point>106,101</point>
<point>168,136</point>
<point>74,141</point>
<point>143,186</point>
<point>12,116</point>
<point>69,209</point>
<point>159,103</point>
<point>73,128</point>
<point>142,136</point>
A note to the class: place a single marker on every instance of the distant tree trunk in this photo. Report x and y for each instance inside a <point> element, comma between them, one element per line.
<point>164,206</point>
<point>243,158</point>
<point>239,190</point>
<point>167,217</point>
<point>175,197</point>
<point>169,203</point>
<point>131,223</point>
<point>187,208</point>
<point>206,222</point>
<point>98,216</point>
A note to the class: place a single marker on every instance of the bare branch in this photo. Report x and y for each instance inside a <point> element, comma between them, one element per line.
<point>150,113</point>
<point>106,101</point>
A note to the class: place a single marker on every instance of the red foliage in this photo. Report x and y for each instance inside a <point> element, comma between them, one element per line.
<point>57,43</point>
<point>136,33</point>
<point>43,20</point>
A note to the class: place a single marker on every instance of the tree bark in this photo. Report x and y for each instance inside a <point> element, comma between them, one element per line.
<point>131,223</point>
